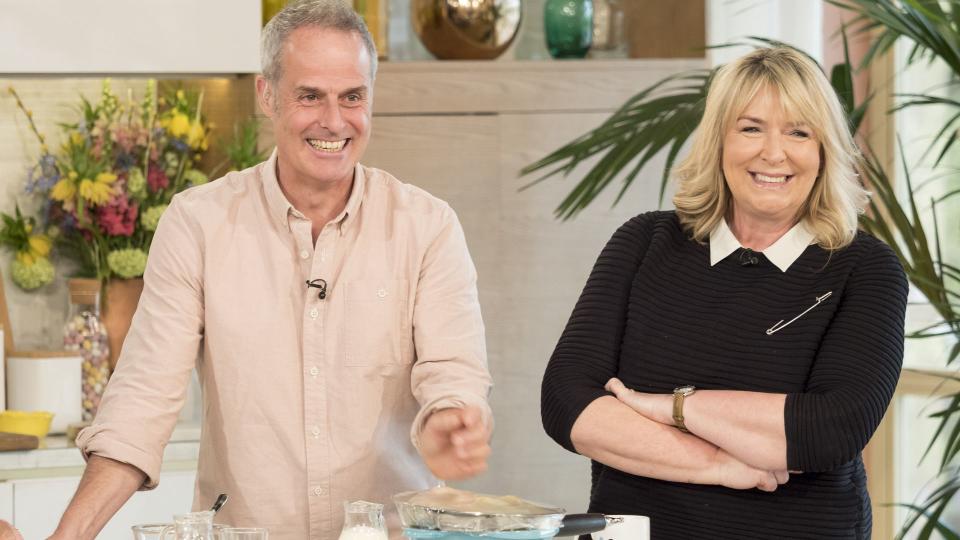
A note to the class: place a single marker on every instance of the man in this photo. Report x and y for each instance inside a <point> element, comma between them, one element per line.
<point>343,349</point>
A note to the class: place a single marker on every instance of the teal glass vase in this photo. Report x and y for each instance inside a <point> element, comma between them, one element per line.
<point>568,25</point>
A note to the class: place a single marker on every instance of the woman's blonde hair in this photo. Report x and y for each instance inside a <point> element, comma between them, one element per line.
<point>837,197</point>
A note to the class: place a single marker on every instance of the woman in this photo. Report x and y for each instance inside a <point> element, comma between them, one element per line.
<point>750,338</point>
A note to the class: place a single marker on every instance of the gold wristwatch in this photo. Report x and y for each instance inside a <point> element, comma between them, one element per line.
<point>678,395</point>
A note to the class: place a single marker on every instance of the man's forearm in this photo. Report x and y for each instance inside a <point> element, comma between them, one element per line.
<point>105,486</point>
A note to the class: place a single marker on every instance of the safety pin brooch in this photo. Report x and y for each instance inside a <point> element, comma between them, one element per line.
<point>780,325</point>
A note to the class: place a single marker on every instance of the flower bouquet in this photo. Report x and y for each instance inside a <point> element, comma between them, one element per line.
<point>102,192</point>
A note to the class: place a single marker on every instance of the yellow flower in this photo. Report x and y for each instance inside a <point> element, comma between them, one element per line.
<point>196,138</point>
<point>106,178</point>
<point>25,258</point>
<point>40,245</point>
<point>76,138</point>
<point>97,191</point>
<point>178,124</point>
<point>63,190</point>
<point>73,175</point>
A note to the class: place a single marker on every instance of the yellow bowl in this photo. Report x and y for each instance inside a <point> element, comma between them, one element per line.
<point>36,423</point>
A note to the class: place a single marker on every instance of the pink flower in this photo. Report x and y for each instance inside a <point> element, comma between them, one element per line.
<point>124,139</point>
<point>97,149</point>
<point>119,217</point>
<point>156,178</point>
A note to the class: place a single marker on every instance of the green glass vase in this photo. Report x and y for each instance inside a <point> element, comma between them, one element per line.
<point>568,25</point>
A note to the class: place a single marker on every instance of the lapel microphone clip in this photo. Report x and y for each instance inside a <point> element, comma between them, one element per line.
<point>318,284</point>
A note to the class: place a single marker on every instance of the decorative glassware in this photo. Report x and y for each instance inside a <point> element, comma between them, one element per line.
<point>568,25</point>
<point>149,531</point>
<point>469,30</point>
<point>192,526</point>
<point>84,332</point>
<point>363,521</point>
<point>242,533</point>
<point>609,29</point>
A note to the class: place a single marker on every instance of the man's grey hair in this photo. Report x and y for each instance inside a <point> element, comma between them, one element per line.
<point>325,14</point>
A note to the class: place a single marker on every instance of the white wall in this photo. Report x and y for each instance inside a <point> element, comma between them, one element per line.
<point>129,36</point>
<point>795,22</point>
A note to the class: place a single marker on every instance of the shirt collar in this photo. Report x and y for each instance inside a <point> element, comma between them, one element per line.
<point>280,208</point>
<point>277,202</point>
<point>782,253</point>
<point>356,197</point>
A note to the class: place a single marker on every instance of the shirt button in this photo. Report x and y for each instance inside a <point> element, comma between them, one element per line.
<point>315,431</point>
<point>382,293</point>
<point>314,371</point>
<point>314,313</point>
<point>304,254</point>
<point>318,491</point>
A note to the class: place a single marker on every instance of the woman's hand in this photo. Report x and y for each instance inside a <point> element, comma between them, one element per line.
<point>733,473</point>
<point>656,407</point>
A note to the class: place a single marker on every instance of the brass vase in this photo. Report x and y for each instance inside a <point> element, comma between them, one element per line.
<point>466,29</point>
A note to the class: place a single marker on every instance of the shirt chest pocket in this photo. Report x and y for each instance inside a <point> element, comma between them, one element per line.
<point>378,327</point>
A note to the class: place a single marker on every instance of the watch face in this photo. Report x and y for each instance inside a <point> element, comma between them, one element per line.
<point>684,390</point>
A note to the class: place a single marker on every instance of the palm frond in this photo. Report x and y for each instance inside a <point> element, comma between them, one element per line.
<point>932,509</point>
<point>662,116</point>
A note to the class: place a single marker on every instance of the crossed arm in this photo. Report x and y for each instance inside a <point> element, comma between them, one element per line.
<point>739,439</point>
<point>748,425</point>
<point>612,433</point>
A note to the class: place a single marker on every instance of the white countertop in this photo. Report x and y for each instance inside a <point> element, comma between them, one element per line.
<point>58,455</point>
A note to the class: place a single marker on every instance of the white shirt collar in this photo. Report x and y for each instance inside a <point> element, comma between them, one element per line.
<point>782,253</point>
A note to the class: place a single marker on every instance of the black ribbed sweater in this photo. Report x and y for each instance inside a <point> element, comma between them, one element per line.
<point>655,314</point>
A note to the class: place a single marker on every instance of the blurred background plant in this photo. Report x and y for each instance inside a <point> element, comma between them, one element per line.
<point>31,268</point>
<point>243,150</point>
<point>106,186</point>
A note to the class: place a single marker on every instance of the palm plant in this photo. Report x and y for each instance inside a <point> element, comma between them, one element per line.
<point>664,116</point>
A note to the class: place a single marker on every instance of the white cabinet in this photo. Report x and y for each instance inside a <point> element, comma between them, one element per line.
<point>35,505</point>
<point>130,36</point>
<point>6,502</point>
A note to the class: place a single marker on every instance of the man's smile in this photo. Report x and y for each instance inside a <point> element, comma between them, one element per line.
<point>328,146</point>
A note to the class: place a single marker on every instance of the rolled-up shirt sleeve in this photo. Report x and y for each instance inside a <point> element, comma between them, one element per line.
<point>856,369</point>
<point>146,392</point>
<point>451,366</point>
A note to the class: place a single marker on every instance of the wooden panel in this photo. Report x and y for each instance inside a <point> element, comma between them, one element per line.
<point>658,29</point>
<point>130,36</point>
<point>478,87</point>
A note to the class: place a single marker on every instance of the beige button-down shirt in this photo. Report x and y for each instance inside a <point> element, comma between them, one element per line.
<point>307,402</point>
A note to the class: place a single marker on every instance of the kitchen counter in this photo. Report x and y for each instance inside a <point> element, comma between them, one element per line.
<point>59,457</point>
